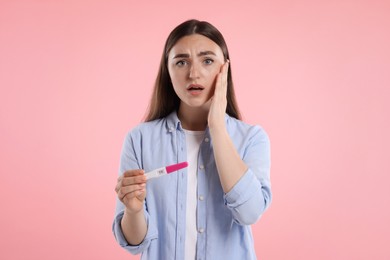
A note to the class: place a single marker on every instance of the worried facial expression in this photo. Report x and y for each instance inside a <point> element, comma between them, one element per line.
<point>193,64</point>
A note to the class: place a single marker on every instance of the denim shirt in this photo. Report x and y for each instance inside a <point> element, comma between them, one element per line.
<point>223,219</point>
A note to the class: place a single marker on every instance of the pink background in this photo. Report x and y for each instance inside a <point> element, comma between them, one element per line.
<point>75,76</point>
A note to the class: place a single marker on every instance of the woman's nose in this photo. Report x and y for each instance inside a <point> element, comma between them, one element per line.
<point>194,71</point>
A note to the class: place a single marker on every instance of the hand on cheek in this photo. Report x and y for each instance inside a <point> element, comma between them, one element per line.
<point>216,117</point>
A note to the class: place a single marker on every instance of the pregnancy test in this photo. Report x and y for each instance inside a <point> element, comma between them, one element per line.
<point>165,170</point>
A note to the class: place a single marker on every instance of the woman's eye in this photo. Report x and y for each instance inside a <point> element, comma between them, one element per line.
<point>181,63</point>
<point>208,61</point>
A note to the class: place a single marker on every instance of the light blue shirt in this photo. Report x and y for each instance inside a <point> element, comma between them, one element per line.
<point>223,220</point>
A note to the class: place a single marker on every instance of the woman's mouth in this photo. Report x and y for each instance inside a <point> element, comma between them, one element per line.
<point>195,89</point>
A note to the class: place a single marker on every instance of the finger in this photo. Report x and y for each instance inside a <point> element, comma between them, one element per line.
<point>126,199</point>
<point>118,183</point>
<point>126,174</point>
<point>118,186</point>
<point>225,73</point>
<point>130,173</point>
<point>134,180</point>
<point>125,190</point>
<point>219,87</point>
<point>140,195</point>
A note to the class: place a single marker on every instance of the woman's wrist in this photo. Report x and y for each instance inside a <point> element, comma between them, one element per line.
<point>132,213</point>
<point>134,227</point>
<point>217,130</point>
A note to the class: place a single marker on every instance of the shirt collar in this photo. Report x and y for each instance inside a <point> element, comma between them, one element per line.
<point>173,122</point>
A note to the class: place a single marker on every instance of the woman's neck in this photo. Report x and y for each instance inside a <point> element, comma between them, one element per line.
<point>194,119</point>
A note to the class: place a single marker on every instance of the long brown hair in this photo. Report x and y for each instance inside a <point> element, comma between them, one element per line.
<point>164,99</point>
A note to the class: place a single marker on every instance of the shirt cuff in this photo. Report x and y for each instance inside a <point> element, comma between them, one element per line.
<point>242,191</point>
<point>120,238</point>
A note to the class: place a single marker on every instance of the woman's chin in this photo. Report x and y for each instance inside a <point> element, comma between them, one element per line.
<point>201,105</point>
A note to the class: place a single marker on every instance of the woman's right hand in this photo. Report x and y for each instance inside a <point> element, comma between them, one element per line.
<point>131,190</point>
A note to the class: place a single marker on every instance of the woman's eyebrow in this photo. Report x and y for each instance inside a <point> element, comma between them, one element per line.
<point>202,53</point>
<point>181,55</point>
<point>205,53</point>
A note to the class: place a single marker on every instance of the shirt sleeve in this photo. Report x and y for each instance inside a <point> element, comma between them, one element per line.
<point>129,161</point>
<point>251,195</point>
<point>133,249</point>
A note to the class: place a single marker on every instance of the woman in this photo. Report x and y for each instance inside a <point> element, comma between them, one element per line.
<point>204,211</point>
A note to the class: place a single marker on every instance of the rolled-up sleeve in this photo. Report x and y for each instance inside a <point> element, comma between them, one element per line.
<point>133,249</point>
<point>129,161</point>
<point>251,195</point>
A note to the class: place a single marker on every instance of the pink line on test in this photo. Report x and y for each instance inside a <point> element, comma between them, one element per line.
<point>176,167</point>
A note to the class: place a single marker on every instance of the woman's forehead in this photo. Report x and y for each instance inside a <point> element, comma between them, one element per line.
<point>195,43</point>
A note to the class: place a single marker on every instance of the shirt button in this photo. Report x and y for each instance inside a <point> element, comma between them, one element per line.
<point>170,129</point>
<point>201,197</point>
<point>206,139</point>
<point>201,167</point>
<point>201,230</point>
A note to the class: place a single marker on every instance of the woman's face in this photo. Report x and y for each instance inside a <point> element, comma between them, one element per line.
<point>193,64</point>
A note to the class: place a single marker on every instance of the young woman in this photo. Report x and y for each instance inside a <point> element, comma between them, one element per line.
<point>203,211</point>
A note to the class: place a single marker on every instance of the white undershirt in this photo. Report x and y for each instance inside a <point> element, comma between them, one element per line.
<point>193,141</point>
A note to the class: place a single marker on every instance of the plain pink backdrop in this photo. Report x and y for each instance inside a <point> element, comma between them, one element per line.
<point>75,76</point>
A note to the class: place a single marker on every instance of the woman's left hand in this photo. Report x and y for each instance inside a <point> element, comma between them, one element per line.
<point>216,117</point>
